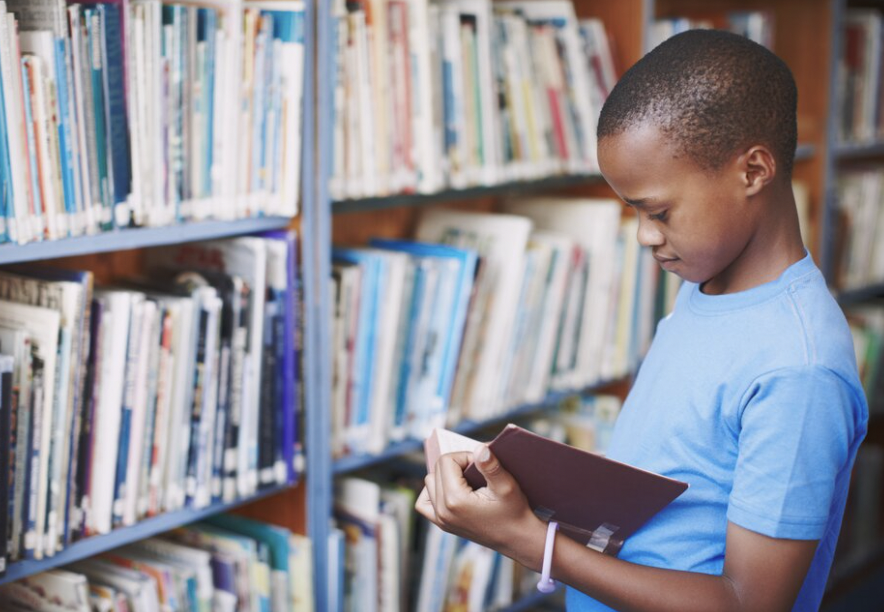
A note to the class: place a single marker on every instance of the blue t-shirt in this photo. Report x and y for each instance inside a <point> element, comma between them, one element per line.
<point>753,399</point>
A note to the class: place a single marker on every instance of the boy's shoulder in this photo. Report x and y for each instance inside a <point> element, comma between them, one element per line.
<point>789,323</point>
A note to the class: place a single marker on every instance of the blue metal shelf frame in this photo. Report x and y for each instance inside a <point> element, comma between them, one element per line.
<point>423,199</point>
<point>137,238</point>
<point>353,463</point>
<point>852,297</point>
<point>318,367</point>
<point>859,150</point>
<point>95,545</point>
<point>830,199</point>
<point>804,152</point>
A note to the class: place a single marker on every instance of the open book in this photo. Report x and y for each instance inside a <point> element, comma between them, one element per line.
<point>596,501</point>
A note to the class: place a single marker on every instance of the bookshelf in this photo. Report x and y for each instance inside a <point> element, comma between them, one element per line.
<point>808,35</point>
<point>111,253</point>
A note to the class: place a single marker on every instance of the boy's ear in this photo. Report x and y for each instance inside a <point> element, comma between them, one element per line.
<point>758,167</point>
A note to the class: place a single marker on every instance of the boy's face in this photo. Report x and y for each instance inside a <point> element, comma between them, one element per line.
<point>696,222</point>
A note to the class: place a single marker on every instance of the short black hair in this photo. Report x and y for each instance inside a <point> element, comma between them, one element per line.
<point>710,92</point>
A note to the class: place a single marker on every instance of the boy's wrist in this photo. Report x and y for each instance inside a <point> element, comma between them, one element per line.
<point>527,544</point>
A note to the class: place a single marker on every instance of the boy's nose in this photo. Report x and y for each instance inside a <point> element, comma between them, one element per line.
<point>648,234</point>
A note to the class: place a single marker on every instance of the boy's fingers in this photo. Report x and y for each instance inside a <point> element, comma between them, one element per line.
<point>449,474</point>
<point>424,505</point>
<point>430,487</point>
<point>461,458</point>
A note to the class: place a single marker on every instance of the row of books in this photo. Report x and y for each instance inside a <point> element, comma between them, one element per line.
<point>388,559</point>
<point>385,559</point>
<point>452,93</point>
<point>860,193</point>
<point>171,390</point>
<point>754,25</point>
<point>225,564</point>
<point>485,312</point>
<point>860,75</point>
<point>147,113</point>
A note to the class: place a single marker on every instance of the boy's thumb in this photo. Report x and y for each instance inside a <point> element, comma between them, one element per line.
<point>487,463</point>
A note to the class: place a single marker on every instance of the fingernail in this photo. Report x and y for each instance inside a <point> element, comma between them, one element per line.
<point>484,455</point>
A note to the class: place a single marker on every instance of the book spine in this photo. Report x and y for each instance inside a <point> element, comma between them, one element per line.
<point>6,186</point>
<point>200,388</point>
<point>30,131</point>
<point>93,20</point>
<point>121,485</point>
<point>92,380</point>
<point>65,133</point>
<point>7,452</point>
<point>31,544</point>
<point>116,111</point>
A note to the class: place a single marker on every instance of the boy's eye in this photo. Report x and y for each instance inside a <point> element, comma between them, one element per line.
<point>660,216</point>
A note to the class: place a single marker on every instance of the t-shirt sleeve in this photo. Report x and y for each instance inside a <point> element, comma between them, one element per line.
<point>797,427</point>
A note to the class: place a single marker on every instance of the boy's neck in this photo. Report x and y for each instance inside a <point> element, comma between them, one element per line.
<point>775,246</point>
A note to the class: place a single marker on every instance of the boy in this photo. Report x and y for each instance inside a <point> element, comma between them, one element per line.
<point>749,392</point>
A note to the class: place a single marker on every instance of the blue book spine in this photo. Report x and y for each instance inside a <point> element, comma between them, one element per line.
<point>291,390</point>
<point>207,20</point>
<point>93,21</point>
<point>263,43</point>
<point>6,205</point>
<point>32,141</point>
<point>65,135</point>
<point>417,303</point>
<point>289,360</point>
<point>116,102</point>
<point>449,112</point>
<point>467,271</point>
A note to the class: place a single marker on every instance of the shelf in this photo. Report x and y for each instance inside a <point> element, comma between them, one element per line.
<point>804,152</point>
<point>422,199</point>
<point>859,150</point>
<point>95,545</point>
<point>852,297</point>
<point>136,238</point>
<point>352,463</point>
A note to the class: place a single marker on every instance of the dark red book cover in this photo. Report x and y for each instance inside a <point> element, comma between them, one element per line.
<point>596,500</point>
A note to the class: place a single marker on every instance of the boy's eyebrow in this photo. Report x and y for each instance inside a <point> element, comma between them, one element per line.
<point>639,202</point>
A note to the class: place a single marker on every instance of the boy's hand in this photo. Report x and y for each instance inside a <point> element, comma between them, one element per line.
<point>496,515</point>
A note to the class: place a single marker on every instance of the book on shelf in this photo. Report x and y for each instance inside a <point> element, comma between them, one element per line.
<point>756,25</point>
<point>485,312</point>
<point>859,254</point>
<point>224,564</point>
<point>447,93</point>
<point>118,402</point>
<point>143,113</point>
<point>860,77</point>
<point>612,501</point>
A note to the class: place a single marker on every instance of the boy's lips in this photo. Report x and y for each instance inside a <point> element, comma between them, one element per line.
<point>663,259</point>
